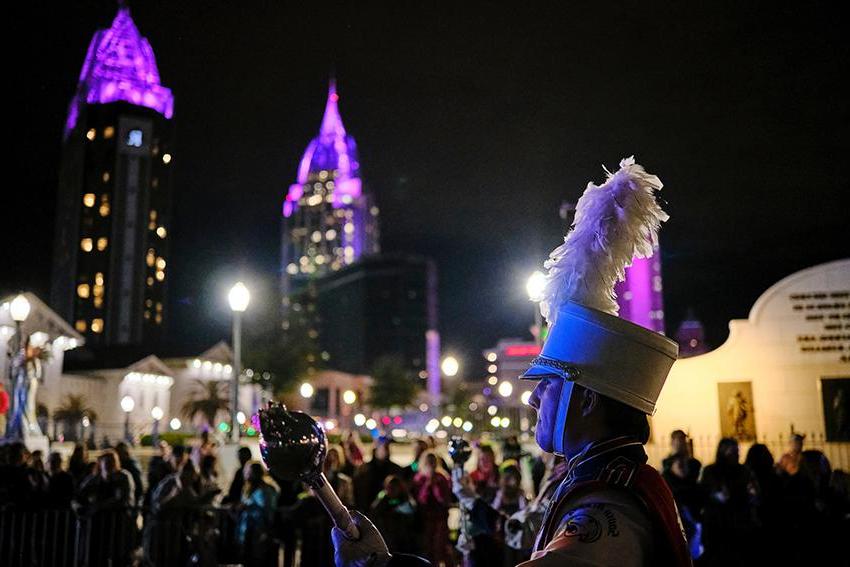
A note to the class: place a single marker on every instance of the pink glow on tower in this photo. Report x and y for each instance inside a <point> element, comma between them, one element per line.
<point>120,66</point>
<point>639,296</point>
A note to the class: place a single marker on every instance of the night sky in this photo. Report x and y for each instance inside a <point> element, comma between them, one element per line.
<point>473,124</point>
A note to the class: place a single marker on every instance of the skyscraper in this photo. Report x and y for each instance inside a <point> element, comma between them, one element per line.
<point>329,221</point>
<point>114,202</point>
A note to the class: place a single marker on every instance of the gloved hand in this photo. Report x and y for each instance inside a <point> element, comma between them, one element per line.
<point>463,488</point>
<point>368,551</point>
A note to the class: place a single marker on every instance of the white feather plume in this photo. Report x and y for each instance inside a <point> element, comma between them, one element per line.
<point>614,223</point>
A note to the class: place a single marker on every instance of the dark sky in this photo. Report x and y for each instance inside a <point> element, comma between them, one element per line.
<point>474,122</point>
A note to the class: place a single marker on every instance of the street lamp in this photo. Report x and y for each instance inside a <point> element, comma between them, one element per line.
<point>535,286</point>
<point>156,414</point>
<point>239,297</point>
<point>450,366</point>
<point>349,397</point>
<point>19,309</point>
<point>127,405</point>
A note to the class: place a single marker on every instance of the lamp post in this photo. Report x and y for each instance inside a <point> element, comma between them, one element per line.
<point>127,405</point>
<point>19,309</point>
<point>450,366</point>
<point>535,286</point>
<point>156,414</point>
<point>239,297</point>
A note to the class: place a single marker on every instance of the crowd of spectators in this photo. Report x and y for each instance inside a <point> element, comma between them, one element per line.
<point>181,512</point>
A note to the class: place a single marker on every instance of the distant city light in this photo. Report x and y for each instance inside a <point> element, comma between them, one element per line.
<point>371,423</point>
<point>240,417</point>
<point>432,426</point>
<point>492,410</point>
<point>349,397</point>
<point>492,357</point>
<point>457,422</point>
<point>175,424</point>
<point>446,421</point>
<point>495,421</point>
<point>450,366</point>
<point>506,422</point>
<point>399,433</point>
<point>329,425</point>
<point>306,390</point>
<point>492,368</point>
<point>536,285</point>
<point>157,413</point>
<point>467,426</point>
<point>127,404</point>
<point>505,389</point>
<point>359,420</point>
<point>526,396</point>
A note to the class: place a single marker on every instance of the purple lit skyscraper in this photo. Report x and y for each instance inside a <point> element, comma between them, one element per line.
<point>329,222</point>
<point>114,201</point>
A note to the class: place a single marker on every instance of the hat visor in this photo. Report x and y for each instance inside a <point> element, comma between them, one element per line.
<point>538,372</point>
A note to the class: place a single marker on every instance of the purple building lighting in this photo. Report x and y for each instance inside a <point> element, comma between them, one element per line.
<point>639,295</point>
<point>329,222</point>
<point>120,66</point>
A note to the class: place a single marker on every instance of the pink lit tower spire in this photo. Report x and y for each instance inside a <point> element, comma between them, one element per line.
<point>111,259</point>
<point>329,221</point>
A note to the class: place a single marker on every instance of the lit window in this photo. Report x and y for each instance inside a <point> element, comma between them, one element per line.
<point>80,325</point>
<point>149,281</point>
<point>150,258</point>
<point>102,243</point>
<point>346,199</point>
<point>134,138</point>
<point>91,134</point>
<point>323,175</point>
<point>329,185</point>
<point>104,206</point>
<point>316,236</point>
<point>160,275</point>
<point>158,318</point>
<point>108,132</point>
<point>153,214</point>
<point>374,211</point>
<point>161,232</point>
<point>349,228</point>
<point>147,315</point>
<point>98,278</point>
<point>166,158</point>
<point>155,182</point>
<point>83,290</point>
<point>86,244</point>
<point>160,263</point>
<point>148,302</point>
<point>98,302</point>
<point>88,199</point>
<point>97,290</point>
<point>105,177</point>
<point>331,234</point>
<point>292,269</point>
<point>320,259</point>
<point>97,325</point>
<point>158,307</point>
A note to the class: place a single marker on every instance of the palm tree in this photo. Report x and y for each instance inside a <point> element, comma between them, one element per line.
<point>210,398</point>
<point>71,414</point>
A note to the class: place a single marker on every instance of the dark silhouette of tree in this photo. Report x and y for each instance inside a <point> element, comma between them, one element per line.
<point>393,383</point>
<point>211,396</point>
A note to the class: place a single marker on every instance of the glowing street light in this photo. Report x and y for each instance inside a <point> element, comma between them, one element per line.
<point>349,397</point>
<point>127,405</point>
<point>535,285</point>
<point>238,298</point>
<point>175,424</point>
<point>450,366</point>
<point>306,390</point>
<point>19,309</point>
<point>505,389</point>
<point>525,397</point>
<point>359,420</point>
<point>156,414</point>
<point>240,417</point>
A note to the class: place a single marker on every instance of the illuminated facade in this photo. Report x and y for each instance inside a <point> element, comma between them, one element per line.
<point>113,208</point>
<point>329,222</point>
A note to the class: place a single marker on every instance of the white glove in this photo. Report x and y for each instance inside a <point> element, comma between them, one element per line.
<point>368,551</point>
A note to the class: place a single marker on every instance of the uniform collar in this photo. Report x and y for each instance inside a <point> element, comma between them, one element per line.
<point>587,458</point>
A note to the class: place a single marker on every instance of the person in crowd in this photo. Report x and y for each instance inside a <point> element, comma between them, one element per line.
<point>729,520</point>
<point>205,447</point>
<point>512,450</point>
<point>234,493</point>
<point>681,471</point>
<point>486,473</point>
<point>432,491</point>
<point>286,528</point>
<point>129,464</point>
<point>408,472</point>
<point>208,474</point>
<point>15,486</point>
<point>340,482</point>
<point>176,525</point>
<point>394,513</point>
<point>60,490</point>
<point>789,462</point>
<point>105,499</point>
<point>369,478</point>
<point>38,479</point>
<point>520,530</point>
<point>509,500</point>
<point>353,454</point>
<point>158,469</point>
<point>768,510</point>
<point>79,465</point>
<point>256,515</point>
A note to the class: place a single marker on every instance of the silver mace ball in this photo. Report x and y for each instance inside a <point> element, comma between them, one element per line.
<point>294,447</point>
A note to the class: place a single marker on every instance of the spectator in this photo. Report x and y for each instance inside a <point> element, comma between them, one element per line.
<point>208,480</point>
<point>408,472</point>
<point>729,514</point>
<point>680,450</point>
<point>511,449</point>
<point>256,514</point>
<point>15,485</point>
<point>79,465</point>
<point>432,491</point>
<point>789,463</point>
<point>158,469</point>
<point>394,514</point>
<point>486,474</point>
<point>509,500</point>
<point>206,447</point>
<point>369,478</point>
<point>60,490</point>
<point>340,482</point>
<point>353,454</point>
<point>38,479</point>
<point>129,464</point>
<point>109,488</point>
<point>234,493</point>
<point>681,472</point>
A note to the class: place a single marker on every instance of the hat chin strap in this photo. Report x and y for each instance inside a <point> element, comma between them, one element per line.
<point>560,429</point>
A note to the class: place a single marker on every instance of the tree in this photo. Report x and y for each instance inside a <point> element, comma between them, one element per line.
<point>392,383</point>
<point>211,396</point>
<point>71,414</point>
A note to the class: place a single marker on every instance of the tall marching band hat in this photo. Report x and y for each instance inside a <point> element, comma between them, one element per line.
<point>587,343</point>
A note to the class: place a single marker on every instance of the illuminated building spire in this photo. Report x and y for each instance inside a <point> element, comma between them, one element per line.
<point>120,66</point>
